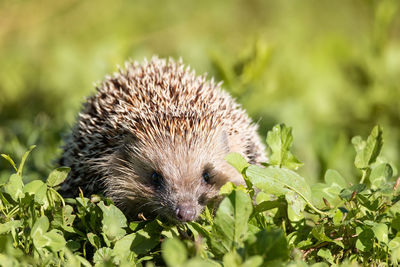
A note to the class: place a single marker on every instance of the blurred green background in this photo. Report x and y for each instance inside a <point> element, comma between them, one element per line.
<point>330,69</point>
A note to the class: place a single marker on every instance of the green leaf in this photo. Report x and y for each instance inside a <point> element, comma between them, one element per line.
<point>94,240</point>
<point>73,245</point>
<point>253,261</point>
<point>143,242</point>
<point>326,254</point>
<point>394,247</point>
<point>334,179</point>
<point>40,227</point>
<point>122,248</point>
<point>14,187</point>
<point>227,188</point>
<point>9,226</point>
<point>174,252</point>
<point>9,159</point>
<point>369,203</point>
<point>237,161</point>
<point>394,243</point>
<point>280,139</point>
<point>334,184</point>
<point>38,189</point>
<point>380,175</point>
<point>395,256</point>
<point>230,223</point>
<point>280,181</point>
<point>104,257</point>
<point>267,205</point>
<point>368,151</point>
<point>38,230</point>
<point>113,221</point>
<point>319,233</point>
<point>232,258</point>
<point>348,192</point>
<point>24,157</point>
<point>54,240</point>
<point>240,164</point>
<point>395,224</point>
<point>365,240</point>
<point>277,181</point>
<point>381,232</point>
<point>271,245</point>
<point>198,262</point>
<point>68,217</point>
<point>296,205</point>
<point>337,218</point>
<point>57,176</point>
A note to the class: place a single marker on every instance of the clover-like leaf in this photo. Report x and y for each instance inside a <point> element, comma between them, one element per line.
<point>237,161</point>
<point>368,151</point>
<point>230,223</point>
<point>380,175</point>
<point>38,230</point>
<point>364,241</point>
<point>122,248</point>
<point>381,232</point>
<point>57,176</point>
<point>113,221</point>
<point>38,189</point>
<point>279,140</point>
<point>296,205</point>
<point>280,181</point>
<point>334,184</point>
<point>9,226</point>
<point>348,193</point>
<point>174,252</point>
<point>270,244</point>
<point>14,187</point>
<point>104,256</point>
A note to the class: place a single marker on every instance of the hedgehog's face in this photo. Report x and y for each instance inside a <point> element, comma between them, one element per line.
<point>181,194</point>
<point>175,181</point>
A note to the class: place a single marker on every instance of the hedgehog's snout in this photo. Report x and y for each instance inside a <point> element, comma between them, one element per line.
<point>185,212</point>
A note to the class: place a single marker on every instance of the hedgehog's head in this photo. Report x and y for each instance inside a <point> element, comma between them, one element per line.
<point>171,176</point>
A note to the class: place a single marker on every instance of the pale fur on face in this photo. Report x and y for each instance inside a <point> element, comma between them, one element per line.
<point>181,163</point>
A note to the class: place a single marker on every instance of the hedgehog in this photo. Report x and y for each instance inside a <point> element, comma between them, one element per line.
<point>153,138</point>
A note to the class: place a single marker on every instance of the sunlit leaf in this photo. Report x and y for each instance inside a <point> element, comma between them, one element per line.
<point>38,189</point>
<point>24,157</point>
<point>113,221</point>
<point>380,175</point>
<point>57,176</point>
<point>230,223</point>
<point>280,139</point>
<point>14,187</point>
<point>174,252</point>
<point>10,160</point>
<point>381,232</point>
<point>237,161</point>
<point>368,151</point>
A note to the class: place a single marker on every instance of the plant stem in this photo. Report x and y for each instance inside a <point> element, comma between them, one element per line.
<point>364,175</point>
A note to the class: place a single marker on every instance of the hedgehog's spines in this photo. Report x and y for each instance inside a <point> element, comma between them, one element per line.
<point>170,119</point>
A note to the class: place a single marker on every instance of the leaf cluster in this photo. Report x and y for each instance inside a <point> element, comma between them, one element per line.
<point>276,219</point>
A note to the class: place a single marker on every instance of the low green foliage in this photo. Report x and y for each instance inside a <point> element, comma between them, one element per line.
<point>278,219</point>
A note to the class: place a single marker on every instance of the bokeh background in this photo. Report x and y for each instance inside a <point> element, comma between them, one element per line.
<point>330,69</point>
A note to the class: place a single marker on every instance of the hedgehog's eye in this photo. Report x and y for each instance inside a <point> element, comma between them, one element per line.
<point>206,177</point>
<point>156,179</point>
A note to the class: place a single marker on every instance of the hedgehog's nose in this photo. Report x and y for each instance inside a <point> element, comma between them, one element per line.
<point>186,212</point>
